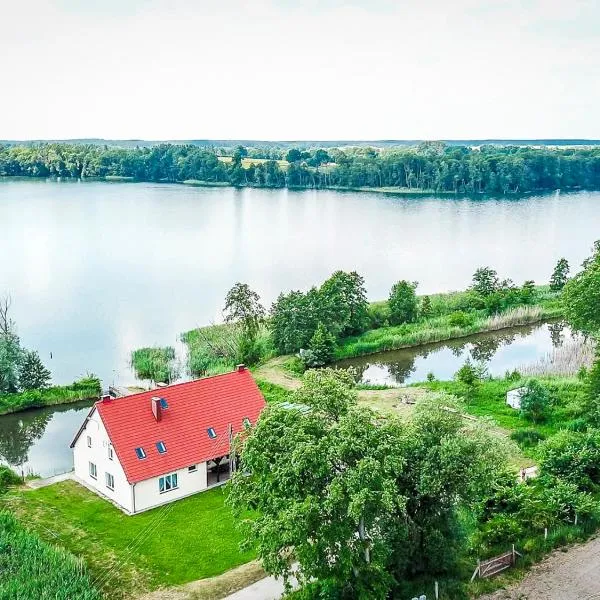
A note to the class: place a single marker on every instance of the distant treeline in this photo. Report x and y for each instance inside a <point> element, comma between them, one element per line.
<point>431,166</point>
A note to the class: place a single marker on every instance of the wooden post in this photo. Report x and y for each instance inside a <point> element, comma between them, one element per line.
<point>545,533</point>
<point>437,590</point>
<point>477,569</point>
<point>575,518</point>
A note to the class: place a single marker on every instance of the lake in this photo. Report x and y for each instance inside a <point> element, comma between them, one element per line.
<point>37,441</point>
<point>97,269</point>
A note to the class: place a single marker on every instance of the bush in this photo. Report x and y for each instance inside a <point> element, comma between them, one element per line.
<point>527,437</point>
<point>320,349</point>
<point>460,319</point>
<point>535,402</point>
<point>7,478</point>
<point>378,315</point>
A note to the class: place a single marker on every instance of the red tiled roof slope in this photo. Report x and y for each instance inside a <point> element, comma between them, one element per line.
<point>193,407</point>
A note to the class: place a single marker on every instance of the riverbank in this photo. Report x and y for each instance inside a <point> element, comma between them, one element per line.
<point>83,389</point>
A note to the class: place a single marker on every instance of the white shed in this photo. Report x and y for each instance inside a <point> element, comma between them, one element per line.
<point>513,397</point>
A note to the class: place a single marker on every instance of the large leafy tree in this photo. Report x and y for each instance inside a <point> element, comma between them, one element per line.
<point>581,296</point>
<point>11,353</point>
<point>360,501</point>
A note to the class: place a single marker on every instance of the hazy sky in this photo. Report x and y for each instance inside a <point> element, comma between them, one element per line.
<point>320,69</point>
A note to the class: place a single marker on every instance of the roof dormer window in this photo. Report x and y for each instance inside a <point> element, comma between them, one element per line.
<point>164,404</point>
<point>160,446</point>
<point>212,434</point>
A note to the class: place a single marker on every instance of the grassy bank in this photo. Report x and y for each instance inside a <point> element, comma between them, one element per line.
<point>190,539</point>
<point>83,389</point>
<point>441,329</point>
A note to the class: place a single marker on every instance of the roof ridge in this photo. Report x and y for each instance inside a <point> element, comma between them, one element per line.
<point>173,385</point>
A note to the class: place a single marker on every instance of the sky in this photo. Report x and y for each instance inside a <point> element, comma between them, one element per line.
<point>294,70</point>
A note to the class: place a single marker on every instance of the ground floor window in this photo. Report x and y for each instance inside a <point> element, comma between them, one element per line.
<point>93,471</point>
<point>167,483</point>
<point>110,481</point>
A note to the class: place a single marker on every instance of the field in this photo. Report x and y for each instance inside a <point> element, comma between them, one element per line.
<point>190,539</point>
<point>248,162</point>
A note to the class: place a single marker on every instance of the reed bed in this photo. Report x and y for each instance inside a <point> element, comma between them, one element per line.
<point>565,361</point>
<point>33,569</point>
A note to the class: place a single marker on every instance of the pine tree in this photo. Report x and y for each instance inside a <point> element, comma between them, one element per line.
<point>321,348</point>
<point>33,374</point>
<point>425,307</point>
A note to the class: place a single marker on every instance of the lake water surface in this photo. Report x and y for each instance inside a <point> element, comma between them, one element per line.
<point>96,269</point>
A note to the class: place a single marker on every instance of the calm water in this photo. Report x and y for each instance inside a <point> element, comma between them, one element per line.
<point>97,269</point>
<point>501,351</point>
<point>37,441</point>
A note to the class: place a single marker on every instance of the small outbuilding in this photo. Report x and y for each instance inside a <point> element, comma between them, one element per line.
<point>513,397</point>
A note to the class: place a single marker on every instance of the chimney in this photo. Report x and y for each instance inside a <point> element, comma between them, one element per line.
<point>106,398</point>
<point>156,408</point>
<point>240,368</point>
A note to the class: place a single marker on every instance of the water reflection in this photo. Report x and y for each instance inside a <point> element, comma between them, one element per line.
<point>37,441</point>
<point>501,351</point>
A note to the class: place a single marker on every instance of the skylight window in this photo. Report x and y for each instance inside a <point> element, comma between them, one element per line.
<point>160,446</point>
<point>141,453</point>
<point>212,434</point>
<point>163,403</point>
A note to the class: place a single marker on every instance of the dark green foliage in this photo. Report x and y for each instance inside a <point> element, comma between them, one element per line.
<point>11,355</point>
<point>460,319</point>
<point>321,348</point>
<point>403,302</point>
<point>340,303</point>
<point>535,402</point>
<point>573,457</point>
<point>485,281</point>
<point>527,438</point>
<point>378,314</point>
<point>560,275</point>
<point>156,364</point>
<point>452,169</point>
<point>425,309</point>
<point>592,380</point>
<point>470,375</point>
<point>8,478</point>
<point>379,493</point>
<point>581,296</point>
<point>30,568</point>
<point>33,374</point>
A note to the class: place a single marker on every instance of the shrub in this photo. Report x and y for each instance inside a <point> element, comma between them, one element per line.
<point>7,478</point>
<point>378,315</point>
<point>320,349</point>
<point>460,319</point>
<point>535,402</point>
<point>527,437</point>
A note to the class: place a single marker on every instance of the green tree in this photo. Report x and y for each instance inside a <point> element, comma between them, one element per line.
<point>426,309</point>
<point>33,374</point>
<point>361,501</point>
<point>535,402</point>
<point>403,302</point>
<point>560,275</point>
<point>243,308</point>
<point>11,353</point>
<point>321,348</point>
<point>581,296</point>
<point>592,403</point>
<point>485,281</point>
<point>293,155</point>
<point>342,303</point>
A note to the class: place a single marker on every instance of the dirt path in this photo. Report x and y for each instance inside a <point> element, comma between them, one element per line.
<point>399,400</point>
<point>571,575</point>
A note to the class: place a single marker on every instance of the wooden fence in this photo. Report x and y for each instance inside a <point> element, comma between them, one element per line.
<point>492,566</point>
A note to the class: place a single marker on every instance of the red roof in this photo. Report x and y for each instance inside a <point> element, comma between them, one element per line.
<point>193,408</point>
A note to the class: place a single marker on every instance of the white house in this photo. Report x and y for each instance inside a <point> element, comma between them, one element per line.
<point>513,397</point>
<point>148,449</point>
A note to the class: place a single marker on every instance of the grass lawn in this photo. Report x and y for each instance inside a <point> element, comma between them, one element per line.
<point>189,539</point>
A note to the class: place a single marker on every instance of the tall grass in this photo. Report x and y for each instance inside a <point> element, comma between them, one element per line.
<point>157,364</point>
<point>83,389</point>
<point>30,568</point>
<point>565,360</point>
<point>439,329</point>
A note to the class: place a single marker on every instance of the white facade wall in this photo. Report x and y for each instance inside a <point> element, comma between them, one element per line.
<point>147,493</point>
<point>98,454</point>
